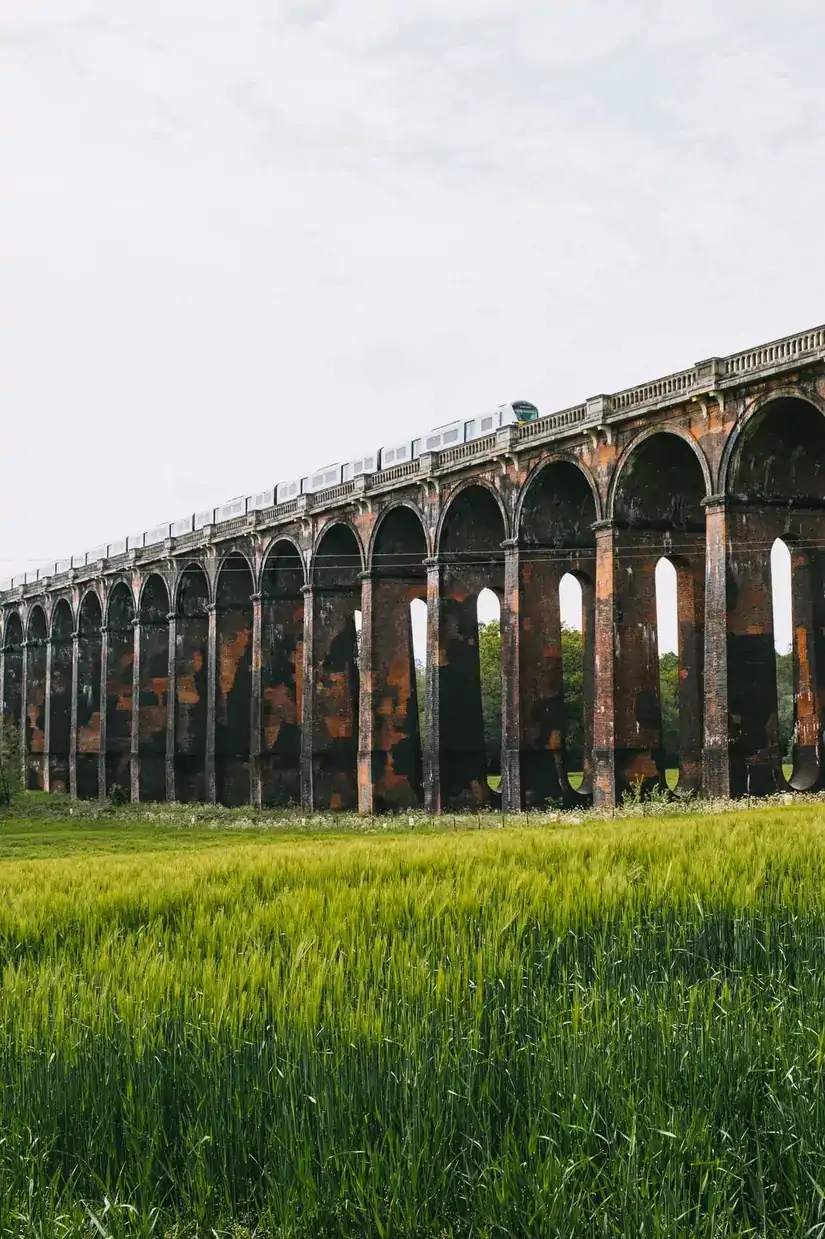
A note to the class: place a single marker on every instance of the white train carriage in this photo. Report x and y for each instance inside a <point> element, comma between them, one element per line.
<point>398,454</point>
<point>285,491</point>
<point>368,463</point>
<point>321,479</point>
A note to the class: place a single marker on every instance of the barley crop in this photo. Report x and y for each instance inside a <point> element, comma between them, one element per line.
<point>609,1029</point>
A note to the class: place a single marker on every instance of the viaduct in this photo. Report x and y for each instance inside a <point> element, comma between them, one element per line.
<point>224,664</point>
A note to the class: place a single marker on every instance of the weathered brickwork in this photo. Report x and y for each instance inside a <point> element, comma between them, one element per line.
<point>269,659</point>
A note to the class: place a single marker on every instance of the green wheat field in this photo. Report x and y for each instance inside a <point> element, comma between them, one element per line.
<point>558,1028</point>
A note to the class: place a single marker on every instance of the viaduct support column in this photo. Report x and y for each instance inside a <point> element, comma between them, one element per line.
<point>715,756</point>
<point>511,792</point>
<point>307,698</point>
<point>808,610</point>
<point>755,760</point>
<point>367,723</point>
<point>47,724</point>
<point>171,705</point>
<point>432,692</point>
<point>134,743</point>
<point>255,706</point>
<point>73,715</point>
<point>604,717</point>
<point>211,702</point>
<point>23,755</point>
<point>102,788</point>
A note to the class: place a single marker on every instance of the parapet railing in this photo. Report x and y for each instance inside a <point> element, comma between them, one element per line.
<point>233,516</point>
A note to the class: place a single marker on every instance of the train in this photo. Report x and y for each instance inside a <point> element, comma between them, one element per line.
<point>441,437</point>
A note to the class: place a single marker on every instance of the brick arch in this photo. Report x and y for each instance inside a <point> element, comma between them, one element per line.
<point>191,609</point>
<point>37,609</point>
<point>480,484</point>
<point>91,592</point>
<point>626,460</point>
<point>334,522</point>
<point>118,584</point>
<point>233,551</point>
<point>411,506</point>
<point>187,566</point>
<point>277,760</point>
<point>10,617</point>
<point>146,583</point>
<point>786,400</point>
<point>272,549</point>
<point>88,697</point>
<point>548,462</point>
<point>61,606</point>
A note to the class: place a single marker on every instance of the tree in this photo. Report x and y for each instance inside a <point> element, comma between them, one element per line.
<point>669,703</point>
<point>785,695</point>
<point>11,773</point>
<point>489,657</point>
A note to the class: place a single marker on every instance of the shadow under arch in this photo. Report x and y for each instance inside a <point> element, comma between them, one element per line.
<point>775,480</point>
<point>233,680</point>
<point>60,703</point>
<point>657,508</point>
<point>556,539</point>
<point>471,557</point>
<point>192,604</point>
<point>335,574</point>
<point>89,670</point>
<point>34,737</point>
<point>392,748</point>
<point>120,660</point>
<point>153,688</point>
<point>13,669</point>
<point>282,653</point>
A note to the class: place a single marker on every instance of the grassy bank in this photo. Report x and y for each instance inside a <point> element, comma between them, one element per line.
<point>568,1029</point>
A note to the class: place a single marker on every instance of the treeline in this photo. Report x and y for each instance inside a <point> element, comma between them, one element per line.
<point>489,646</point>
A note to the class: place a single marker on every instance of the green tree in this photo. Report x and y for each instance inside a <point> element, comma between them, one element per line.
<point>785,695</point>
<point>669,703</point>
<point>489,657</point>
<point>11,772</point>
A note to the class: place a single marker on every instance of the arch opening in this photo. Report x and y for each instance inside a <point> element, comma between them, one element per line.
<point>153,690</point>
<point>796,597</point>
<point>557,564</point>
<point>488,614</point>
<point>336,573</point>
<point>89,668</point>
<point>13,676</point>
<point>659,607</point>
<point>282,652</point>
<point>472,558</point>
<point>667,651</point>
<point>578,744</point>
<point>34,737</point>
<point>776,598</point>
<point>393,753</point>
<point>191,685</point>
<point>60,706</point>
<point>233,697</point>
<point>120,658</point>
<point>13,670</point>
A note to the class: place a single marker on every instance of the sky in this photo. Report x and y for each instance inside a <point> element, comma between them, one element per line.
<point>238,241</point>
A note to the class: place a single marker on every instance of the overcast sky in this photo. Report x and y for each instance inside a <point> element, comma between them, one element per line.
<point>238,240</point>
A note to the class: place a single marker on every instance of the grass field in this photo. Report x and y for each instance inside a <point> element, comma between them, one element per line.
<point>609,1028</point>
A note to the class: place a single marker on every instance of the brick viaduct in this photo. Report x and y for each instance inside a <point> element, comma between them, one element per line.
<point>224,665</point>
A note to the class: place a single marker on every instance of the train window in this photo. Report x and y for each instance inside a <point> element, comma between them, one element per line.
<point>433,442</point>
<point>486,424</point>
<point>388,456</point>
<point>451,435</point>
<point>401,453</point>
